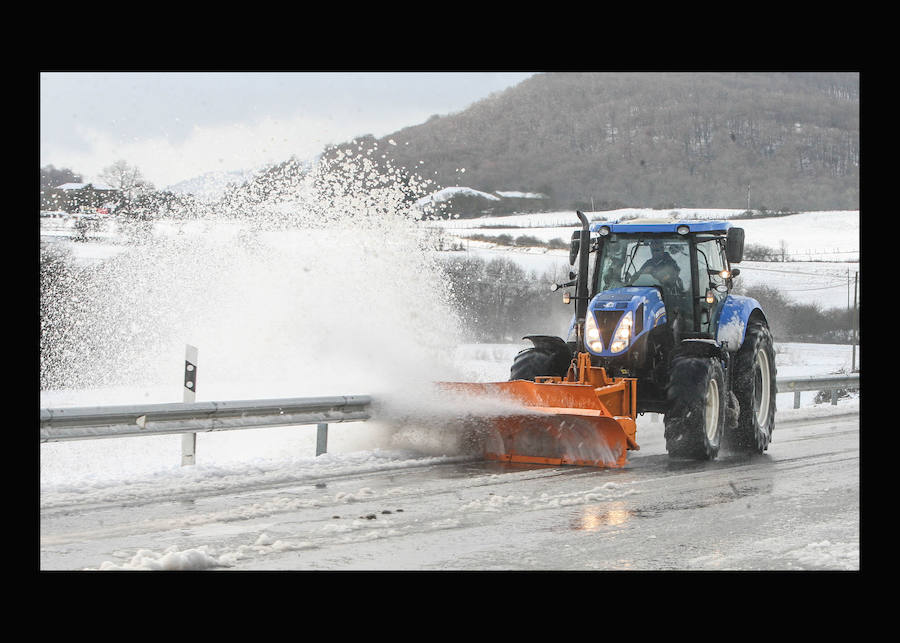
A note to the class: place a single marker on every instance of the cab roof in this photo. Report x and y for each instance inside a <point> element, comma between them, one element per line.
<point>661,225</point>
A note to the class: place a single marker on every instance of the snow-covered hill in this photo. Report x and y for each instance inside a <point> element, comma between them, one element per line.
<point>212,185</point>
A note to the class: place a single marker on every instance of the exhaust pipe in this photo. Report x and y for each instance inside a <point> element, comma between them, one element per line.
<point>581,287</point>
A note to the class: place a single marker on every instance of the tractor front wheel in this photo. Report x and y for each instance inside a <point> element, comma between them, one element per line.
<point>696,399</point>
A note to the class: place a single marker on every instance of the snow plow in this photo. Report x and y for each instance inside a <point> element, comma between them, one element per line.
<point>583,419</point>
<point>666,337</point>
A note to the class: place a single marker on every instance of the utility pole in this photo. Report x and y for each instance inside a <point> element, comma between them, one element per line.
<point>748,197</point>
<point>855,284</point>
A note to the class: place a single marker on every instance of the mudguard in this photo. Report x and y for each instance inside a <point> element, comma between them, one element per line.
<point>734,316</point>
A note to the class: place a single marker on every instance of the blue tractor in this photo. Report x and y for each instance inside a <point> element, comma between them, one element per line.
<point>654,302</point>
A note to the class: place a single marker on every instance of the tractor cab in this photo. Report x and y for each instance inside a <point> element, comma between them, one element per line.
<point>689,262</point>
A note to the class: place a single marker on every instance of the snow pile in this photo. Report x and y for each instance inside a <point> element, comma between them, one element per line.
<point>169,560</point>
<point>827,555</point>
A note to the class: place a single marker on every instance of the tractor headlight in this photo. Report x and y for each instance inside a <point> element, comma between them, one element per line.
<point>592,333</point>
<point>682,229</point>
<point>623,333</point>
<point>603,231</point>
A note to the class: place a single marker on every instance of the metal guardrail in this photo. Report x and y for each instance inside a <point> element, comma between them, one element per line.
<point>93,422</point>
<point>189,417</point>
<point>816,383</point>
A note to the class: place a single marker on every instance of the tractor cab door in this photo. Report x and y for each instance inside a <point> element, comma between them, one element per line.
<point>712,287</point>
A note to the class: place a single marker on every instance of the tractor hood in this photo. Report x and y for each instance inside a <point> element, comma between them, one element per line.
<point>621,316</point>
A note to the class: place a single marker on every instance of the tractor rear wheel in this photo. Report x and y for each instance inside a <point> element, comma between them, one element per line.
<point>695,419</point>
<point>755,388</point>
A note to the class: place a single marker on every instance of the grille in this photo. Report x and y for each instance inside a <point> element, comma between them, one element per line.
<point>606,322</point>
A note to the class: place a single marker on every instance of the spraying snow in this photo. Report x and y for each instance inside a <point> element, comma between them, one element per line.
<point>314,283</point>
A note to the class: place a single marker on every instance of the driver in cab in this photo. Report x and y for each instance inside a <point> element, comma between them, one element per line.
<point>661,265</point>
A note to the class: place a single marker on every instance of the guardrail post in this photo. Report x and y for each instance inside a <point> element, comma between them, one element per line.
<point>321,439</point>
<point>189,440</point>
<point>796,399</point>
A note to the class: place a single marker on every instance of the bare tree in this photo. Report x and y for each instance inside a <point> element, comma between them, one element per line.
<point>125,177</point>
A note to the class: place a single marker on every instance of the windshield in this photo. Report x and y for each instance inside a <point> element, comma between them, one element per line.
<point>649,260</point>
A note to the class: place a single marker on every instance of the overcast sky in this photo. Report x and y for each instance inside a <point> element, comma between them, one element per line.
<point>175,126</point>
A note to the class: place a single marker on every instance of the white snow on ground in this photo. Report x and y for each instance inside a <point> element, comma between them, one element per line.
<point>827,555</point>
<point>98,470</point>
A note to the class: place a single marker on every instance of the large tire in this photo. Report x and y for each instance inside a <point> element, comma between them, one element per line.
<point>755,389</point>
<point>695,420</point>
<point>544,359</point>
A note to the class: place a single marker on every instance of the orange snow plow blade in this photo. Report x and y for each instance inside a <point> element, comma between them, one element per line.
<point>586,420</point>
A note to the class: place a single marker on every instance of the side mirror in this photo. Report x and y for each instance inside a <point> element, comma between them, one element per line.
<point>573,248</point>
<point>734,245</point>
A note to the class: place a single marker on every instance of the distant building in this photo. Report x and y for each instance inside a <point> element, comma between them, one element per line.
<point>79,197</point>
<point>99,187</point>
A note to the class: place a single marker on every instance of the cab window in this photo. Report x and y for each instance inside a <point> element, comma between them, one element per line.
<point>710,263</point>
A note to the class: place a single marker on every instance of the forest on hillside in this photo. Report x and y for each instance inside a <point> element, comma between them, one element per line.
<point>779,141</point>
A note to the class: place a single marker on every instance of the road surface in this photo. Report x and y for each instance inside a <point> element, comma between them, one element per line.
<point>794,508</point>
